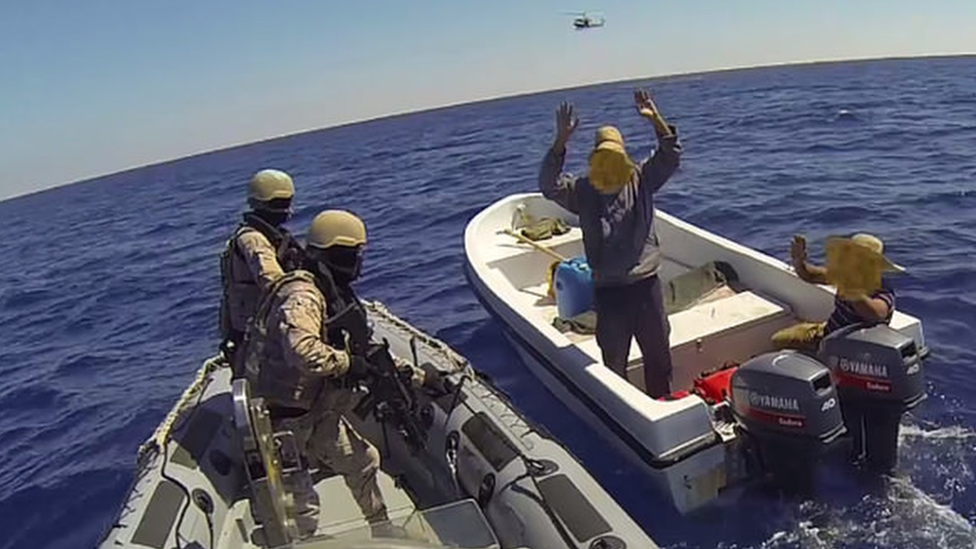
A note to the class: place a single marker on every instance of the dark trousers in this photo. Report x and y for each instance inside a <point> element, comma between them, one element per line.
<point>635,310</point>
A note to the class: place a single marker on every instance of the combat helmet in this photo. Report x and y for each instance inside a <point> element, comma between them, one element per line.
<point>336,228</point>
<point>271,190</point>
<point>336,239</point>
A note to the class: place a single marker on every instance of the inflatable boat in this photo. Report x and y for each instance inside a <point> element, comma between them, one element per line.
<point>214,475</point>
<point>739,406</point>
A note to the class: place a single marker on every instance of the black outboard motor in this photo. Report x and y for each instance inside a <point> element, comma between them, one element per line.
<point>878,372</point>
<point>786,403</point>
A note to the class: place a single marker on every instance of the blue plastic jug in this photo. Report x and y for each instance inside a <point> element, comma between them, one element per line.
<point>574,287</point>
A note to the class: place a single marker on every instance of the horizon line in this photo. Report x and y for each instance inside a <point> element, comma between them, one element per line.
<point>475,101</point>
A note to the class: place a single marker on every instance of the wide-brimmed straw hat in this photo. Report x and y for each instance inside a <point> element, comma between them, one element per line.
<point>875,244</point>
<point>610,166</point>
<point>855,264</point>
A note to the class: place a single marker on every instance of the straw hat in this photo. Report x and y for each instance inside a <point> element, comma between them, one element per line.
<point>610,166</point>
<point>875,244</point>
<point>855,264</point>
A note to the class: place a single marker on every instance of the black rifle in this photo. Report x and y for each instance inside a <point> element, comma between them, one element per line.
<point>391,398</point>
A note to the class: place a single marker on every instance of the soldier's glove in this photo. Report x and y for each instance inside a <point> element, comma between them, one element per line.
<point>375,353</point>
<point>381,361</point>
<point>434,380</point>
<point>405,371</point>
<point>359,368</point>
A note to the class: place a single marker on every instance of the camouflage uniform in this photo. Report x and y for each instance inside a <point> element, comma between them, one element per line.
<point>291,365</point>
<point>254,258</point>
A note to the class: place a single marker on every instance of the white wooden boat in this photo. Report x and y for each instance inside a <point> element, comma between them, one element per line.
<point>686,442</point>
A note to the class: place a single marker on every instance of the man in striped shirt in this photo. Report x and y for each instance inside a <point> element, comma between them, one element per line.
<point>872,307</point>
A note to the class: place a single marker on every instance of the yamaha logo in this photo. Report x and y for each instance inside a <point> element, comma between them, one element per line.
<point>772,401</point>
<point>858,367</point>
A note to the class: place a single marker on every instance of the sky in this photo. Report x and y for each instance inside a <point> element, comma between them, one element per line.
<point>93,87</point>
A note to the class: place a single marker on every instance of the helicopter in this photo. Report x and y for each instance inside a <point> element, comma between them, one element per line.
<point>583,21</point>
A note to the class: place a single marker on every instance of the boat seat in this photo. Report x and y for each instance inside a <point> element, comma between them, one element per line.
<point>711,318</point>
<point>716,316</point>
<point>507,247</point>
<point>724,325</point>
<point>732,328</point>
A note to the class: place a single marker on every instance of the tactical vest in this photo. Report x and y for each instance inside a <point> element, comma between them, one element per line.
<point>278,384</point>
<point>240,292</point>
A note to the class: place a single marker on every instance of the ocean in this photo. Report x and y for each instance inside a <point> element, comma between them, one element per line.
<point>109,293</point>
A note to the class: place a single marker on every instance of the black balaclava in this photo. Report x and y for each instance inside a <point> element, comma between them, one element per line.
<point>343,262</point>
<point>275,212</point>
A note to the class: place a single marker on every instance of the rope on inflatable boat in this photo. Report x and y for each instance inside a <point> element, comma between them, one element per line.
<point>379,309</point>
<point>190,397</point>
<point>485,389</point>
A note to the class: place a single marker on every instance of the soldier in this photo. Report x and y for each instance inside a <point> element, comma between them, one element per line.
<point>259,253</point>
<point>296,359</point>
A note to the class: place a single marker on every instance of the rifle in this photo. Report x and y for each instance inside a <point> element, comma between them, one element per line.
<point>390,397</point>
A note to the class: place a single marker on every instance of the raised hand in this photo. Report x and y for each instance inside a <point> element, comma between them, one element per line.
<point>798,250</point>
<point>566,123</point>
<point>647,109</point>
<point>645,105</point>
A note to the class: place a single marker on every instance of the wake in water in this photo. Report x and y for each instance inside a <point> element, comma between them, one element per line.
<point>891,511</point>
<point>942,457</point>
<point>904,516</point>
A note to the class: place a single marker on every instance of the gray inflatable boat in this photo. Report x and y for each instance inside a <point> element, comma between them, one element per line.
<point>214,475</point>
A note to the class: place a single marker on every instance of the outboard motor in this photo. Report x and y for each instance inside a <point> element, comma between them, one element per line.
<point>878,372</point>
<point>786,403</point>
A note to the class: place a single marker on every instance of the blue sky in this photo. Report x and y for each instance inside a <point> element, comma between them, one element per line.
<point>92,87</point>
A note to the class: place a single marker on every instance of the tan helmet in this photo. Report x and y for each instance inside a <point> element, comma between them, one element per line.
<point>268,185</point>
<point>336,228</point>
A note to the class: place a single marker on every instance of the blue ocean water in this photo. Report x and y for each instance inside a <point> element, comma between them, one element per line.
<point>109,288</point>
